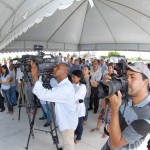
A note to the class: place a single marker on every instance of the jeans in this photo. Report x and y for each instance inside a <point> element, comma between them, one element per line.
<point>44,110</point>
<point>47,112</point>
<point>79,129</point>
<point>86,101</point>
<point>13,95</point>
<point>29,96</point>
<point>6,94</point>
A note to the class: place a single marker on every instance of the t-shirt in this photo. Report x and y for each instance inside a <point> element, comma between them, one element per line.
<point>12,74</point>
<point>135,124</point>
<point>4,79</point>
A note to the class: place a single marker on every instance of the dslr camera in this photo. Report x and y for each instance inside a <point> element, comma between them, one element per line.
<point>117,83</point>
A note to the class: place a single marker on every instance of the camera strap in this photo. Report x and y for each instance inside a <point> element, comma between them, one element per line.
<point>125,102</point>
<point>105,130</point>
<point>106,115</point>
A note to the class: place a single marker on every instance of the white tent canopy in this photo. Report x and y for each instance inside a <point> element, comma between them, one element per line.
<point>109,25</point>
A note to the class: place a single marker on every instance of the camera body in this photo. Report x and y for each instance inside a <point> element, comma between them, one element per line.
<point>45,66</point>
<point>117,83</point>
<point>112,87</point>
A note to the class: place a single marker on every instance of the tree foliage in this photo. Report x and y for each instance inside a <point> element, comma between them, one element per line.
<point>74,55</point>
<point>104,57</point>
<point>113,53</point>
<point>9,58</point>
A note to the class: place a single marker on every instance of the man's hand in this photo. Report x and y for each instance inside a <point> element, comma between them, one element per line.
<point>115,101</point>
<point>34,71</point>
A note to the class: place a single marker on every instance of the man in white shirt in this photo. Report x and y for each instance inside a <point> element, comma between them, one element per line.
<point>64,97</point>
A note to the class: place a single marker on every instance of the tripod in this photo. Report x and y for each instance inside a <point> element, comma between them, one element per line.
<point>53,131</point>
<point>24,101</point>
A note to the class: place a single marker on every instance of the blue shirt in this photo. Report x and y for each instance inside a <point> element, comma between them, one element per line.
<point>4,79</point>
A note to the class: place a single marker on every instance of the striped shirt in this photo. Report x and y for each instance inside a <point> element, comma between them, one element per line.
<point>135,124</point>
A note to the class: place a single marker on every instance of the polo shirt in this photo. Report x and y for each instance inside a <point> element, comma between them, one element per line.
<point>135,124</point>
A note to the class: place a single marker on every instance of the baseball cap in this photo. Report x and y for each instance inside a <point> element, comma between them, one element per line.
<point>141,68</point>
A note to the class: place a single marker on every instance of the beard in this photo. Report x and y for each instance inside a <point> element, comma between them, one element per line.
<point>129,90</point>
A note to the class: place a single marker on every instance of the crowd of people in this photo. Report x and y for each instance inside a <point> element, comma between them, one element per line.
<point>75,92</point>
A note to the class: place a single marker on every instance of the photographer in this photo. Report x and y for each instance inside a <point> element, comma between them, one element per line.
<point>64,97</point>
<point>130,121</point>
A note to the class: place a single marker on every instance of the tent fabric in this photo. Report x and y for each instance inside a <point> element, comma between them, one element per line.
<point>20,15</point>
<point>108,25</point>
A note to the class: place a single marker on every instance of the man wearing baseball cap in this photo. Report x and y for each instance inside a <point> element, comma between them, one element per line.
<point>130,120</point>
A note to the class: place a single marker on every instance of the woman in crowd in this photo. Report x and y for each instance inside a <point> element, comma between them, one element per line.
<point>80,92</point>
<point>5,86</point>
<point>87,77</point>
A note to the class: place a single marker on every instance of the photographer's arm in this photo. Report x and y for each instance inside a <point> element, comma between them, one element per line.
<point>34,72</point>
<point>57,94</point>
<point>116,138</point>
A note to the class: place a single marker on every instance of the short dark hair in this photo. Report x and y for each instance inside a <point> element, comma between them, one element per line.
<point>111,64</point>
<point>79,74</point>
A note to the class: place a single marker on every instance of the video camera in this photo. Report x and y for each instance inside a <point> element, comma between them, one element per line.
<point>45,65</point>
<point>117,83</point>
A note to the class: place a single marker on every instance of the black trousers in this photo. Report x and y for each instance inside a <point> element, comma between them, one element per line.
<point>94,99</point>
<point>1,102</point>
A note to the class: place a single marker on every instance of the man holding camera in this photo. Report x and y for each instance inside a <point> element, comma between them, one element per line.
<point>130,120</point>
<point>64,97</point>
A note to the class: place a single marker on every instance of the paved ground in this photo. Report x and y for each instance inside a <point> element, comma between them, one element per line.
<point>14,133</point>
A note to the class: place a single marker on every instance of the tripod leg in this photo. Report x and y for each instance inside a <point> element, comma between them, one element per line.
<point>20,100</point>
<point>19,108</point>
<point>31,127</point>
<point>54,131</point>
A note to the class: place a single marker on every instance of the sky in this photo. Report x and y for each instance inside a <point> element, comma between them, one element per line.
<point>128,54</point>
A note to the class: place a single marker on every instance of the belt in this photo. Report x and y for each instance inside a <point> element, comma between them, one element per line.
<point>79,101</point>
